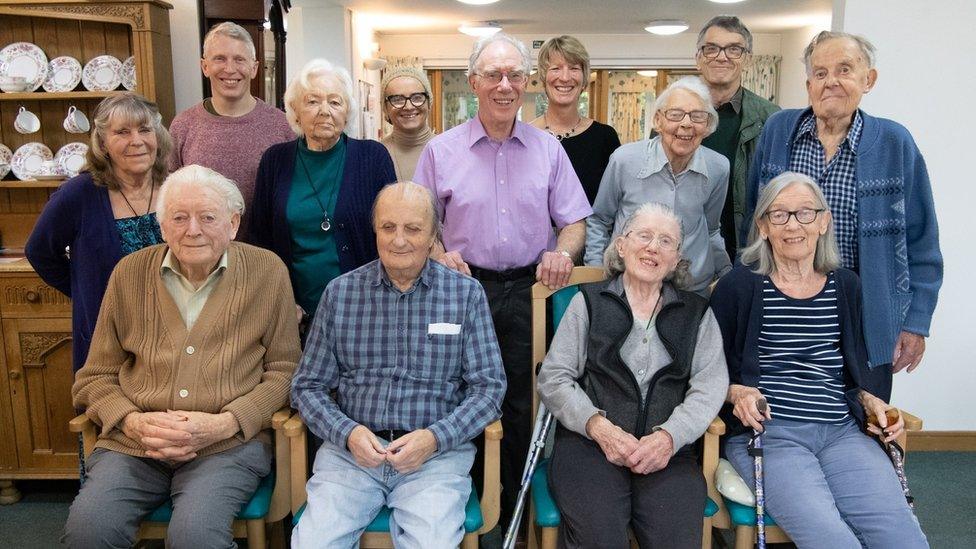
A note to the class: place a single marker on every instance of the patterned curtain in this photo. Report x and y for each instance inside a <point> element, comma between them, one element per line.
<point>762,75</point>
<point>626,110</point>
<point>455,109</point>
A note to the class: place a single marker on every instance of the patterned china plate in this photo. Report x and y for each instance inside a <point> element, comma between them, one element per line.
<point>71,158</point>
<point>129,74</point>
<point>5,155</point>
<point>28,161</point>
<point>24,59</point>
<point>103,73</point>
<point>63,74</point>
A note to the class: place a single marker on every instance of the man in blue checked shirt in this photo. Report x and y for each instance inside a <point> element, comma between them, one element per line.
<point>401,370</point>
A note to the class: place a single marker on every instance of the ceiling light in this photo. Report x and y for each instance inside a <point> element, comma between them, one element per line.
<point>725,1</point>
<point>480,28</point>
<point>479,2</point>
<point>666,27</point>
<point>648,73</point>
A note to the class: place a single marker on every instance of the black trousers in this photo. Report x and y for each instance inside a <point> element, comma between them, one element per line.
<point>599,500</point>
<point>511,311</point>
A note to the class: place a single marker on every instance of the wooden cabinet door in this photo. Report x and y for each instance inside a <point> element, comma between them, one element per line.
<point>38,353</point>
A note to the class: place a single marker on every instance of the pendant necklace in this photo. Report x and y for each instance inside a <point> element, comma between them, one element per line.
<point>152,187</point>
<point>326,224</point>
<point>560,136</point>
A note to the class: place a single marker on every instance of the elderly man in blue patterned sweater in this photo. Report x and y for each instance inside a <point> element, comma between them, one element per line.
<point>408,348</point>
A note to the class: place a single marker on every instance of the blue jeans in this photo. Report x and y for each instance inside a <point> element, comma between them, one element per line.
<point>829,486</point>
<point>427,505</point>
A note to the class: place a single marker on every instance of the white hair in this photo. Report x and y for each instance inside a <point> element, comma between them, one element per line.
<point>201,177</point>
<point>696,87</point>
<point>484,42</point>
<point>613,263</point>
<point>304,83</point>
<point>868,50</point>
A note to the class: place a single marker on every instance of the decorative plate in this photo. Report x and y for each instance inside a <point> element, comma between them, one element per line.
<point>71,158</point>
<point>24,59</point>
<point>63,74</point>
<point>5,155</point>
<point>29,159</point>
<point>129,74</point>
<point>103,73</point>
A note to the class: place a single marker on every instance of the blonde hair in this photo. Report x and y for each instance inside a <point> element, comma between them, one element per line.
<point>230,30</point>
<point>130,108</point>
<point>571,49</point>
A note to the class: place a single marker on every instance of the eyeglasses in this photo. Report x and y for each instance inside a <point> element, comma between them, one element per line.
<point>644,238</point>
<point>399,101</point>
<point>677,115</point>
<point>803,216</point>
<point>515,78</point>
<point>734,51</point>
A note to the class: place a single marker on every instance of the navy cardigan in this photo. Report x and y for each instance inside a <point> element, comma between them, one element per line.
<point>79,215</point>
<point>738,307</point>
<point>368,169</point>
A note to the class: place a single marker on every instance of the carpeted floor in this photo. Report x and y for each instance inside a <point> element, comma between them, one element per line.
<point>943,483</point>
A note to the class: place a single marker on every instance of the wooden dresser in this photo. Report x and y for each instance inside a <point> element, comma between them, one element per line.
<point>35,366</point>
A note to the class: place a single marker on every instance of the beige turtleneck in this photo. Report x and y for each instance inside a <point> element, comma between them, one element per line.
<point>405,150</point>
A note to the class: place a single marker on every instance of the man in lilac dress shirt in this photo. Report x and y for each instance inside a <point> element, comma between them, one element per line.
<point>500,186</point>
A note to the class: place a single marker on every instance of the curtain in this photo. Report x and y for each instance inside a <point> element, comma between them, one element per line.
<point>455,109</point>
<point>762,75</point>
<point>626,110</point>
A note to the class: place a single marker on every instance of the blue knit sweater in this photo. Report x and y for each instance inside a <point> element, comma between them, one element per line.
<point>368,169</point>
<point>900,264</point>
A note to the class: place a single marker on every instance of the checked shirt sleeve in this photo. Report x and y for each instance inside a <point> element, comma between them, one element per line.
<point>317,376</point>
<point>483,375</point>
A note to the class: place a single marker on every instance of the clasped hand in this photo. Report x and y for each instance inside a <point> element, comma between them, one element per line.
<point>177,435</point>
<point>406,454</point>
<point>642,456</point>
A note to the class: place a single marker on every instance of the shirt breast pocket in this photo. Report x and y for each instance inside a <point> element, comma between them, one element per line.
<point>438,358</point>
<point>532,201</point>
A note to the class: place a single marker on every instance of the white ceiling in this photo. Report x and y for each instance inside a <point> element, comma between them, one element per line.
<point>582,16</point>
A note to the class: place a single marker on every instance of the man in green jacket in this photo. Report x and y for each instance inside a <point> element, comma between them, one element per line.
<point>724,48</point>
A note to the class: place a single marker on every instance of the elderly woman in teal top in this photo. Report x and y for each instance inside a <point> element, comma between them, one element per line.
<point>313,195</point>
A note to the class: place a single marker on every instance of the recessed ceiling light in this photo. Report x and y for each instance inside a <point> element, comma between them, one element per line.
<point>666,27</point>
<point>648,73</point>
<point>483,2</point>
<point>480,28</point>
<point>718,1</point>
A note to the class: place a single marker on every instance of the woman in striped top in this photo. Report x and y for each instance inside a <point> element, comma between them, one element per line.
<point>791,325</point>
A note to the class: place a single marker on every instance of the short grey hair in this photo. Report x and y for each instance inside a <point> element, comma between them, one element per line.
<point>201,177</point>
<point>694,85</point>
<point>613,264</point>
<point>484,42</point>
<point>408,190</point>
<point>230,30</point>
<point>303,83</point>
<point>868,50</point>
<point>759,252</point>
<point>730,23</point>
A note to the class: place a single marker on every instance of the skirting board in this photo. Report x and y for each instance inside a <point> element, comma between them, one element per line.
<point>942,441</point>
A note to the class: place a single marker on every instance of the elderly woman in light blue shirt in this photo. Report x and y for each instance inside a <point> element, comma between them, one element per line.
<point>671,168</point>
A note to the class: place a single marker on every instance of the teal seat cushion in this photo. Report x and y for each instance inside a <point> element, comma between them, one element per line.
<point>256,508</point>
<point>744,515</point>
<point>546,512</point>
<point>710,507</point>
<point>473,520</point>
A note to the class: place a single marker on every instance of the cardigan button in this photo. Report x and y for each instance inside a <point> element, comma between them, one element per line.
<point>184,393</point>
<point>190,350</point>
<point>345,248</point>
<point>342,225</point>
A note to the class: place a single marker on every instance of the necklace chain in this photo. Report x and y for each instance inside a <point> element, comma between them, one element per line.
<point>559,135</point>
<point>152,188</point>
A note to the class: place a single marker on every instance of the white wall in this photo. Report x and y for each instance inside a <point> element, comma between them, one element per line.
<point>792,74</point>
<point>606,50</point>
<point>184,30</point>
<point>925,81</point>
<point>317,29</point>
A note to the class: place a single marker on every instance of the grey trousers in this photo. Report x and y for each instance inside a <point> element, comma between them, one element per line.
<point>207,493</point>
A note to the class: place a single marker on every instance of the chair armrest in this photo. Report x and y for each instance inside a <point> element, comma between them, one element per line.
<point>294,430</point>
<point>279,418</point>
<point>294,426</point>
<point>281,497</point>
<point>79,423</point>
<point>716,427</point>
<point>89,432</point>
<point>912,422</point>
<point>709,464</point>
<point>491,498</point>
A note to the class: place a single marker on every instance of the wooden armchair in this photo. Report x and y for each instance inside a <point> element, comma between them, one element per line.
<point>268,506</point>
<point>481,515</point>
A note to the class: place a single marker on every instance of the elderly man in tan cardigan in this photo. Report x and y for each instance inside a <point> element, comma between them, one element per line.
<point>194,350</point>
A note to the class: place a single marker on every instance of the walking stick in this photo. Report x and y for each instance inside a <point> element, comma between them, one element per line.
<point>756,451</point>
<point>543,423</point>
<point>896,453</point>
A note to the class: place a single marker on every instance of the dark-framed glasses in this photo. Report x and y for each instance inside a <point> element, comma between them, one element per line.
<point>644,238</point>
<point>515,78</point>
<point>734,51</point>
<point>803,216</point>
<point>677,115</point>
<point>399,101</point>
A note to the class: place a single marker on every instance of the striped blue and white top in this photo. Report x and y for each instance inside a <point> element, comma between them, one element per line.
<point>801,367</point>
